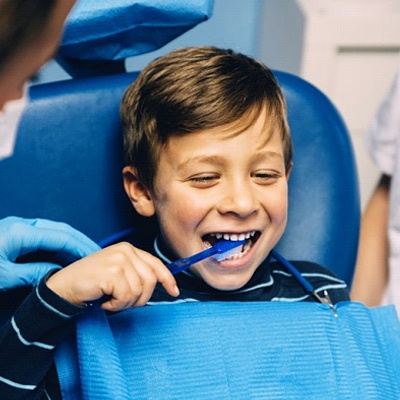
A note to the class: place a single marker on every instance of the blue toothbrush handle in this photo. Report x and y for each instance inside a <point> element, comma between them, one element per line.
<point>221,247</point>
<point>179,265</point>
<point>185,263</point>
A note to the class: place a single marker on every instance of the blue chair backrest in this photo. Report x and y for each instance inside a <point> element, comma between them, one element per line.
<point>324,207</point>
<point>68,160</point>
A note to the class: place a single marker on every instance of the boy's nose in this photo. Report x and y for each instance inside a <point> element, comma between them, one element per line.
<point>238,199</point>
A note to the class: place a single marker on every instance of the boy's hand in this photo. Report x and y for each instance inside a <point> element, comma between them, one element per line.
<point>126,274</point>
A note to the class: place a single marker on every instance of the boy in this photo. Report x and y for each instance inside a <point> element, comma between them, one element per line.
<point>209,154</point>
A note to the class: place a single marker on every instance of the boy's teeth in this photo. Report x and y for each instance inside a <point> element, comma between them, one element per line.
<point>234,236</point>
<point>230,237</point>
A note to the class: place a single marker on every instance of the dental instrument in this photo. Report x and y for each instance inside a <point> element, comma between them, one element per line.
<point>324,299</point>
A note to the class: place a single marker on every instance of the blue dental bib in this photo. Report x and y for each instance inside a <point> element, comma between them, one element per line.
<point>213,350</point>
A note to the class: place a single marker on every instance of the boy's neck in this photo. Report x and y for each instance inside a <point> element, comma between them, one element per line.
<point>163,251</point>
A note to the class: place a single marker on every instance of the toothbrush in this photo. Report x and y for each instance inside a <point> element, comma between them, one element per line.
<point>221,250</point>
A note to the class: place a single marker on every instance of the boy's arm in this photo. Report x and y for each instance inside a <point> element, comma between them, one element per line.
<point>371,274</point>
<point>123,273</point>
<point>28,342</point>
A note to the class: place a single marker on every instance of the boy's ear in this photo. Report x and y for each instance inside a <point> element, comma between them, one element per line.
<point>139,195</point>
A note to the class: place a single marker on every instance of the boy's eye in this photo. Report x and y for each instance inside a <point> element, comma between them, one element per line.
<point>204,180</point>
<point>266,176</point>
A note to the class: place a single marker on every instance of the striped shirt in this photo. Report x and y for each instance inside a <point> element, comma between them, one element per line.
<point>29,339</point>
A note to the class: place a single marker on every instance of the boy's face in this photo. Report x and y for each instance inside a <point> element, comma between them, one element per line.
<point>217,182</point>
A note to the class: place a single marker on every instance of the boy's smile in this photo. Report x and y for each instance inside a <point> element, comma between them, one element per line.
<point>222,184</point>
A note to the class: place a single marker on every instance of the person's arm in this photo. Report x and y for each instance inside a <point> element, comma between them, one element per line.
<point>28,342</point>
<point>371,274</point>
<point>123,275</point>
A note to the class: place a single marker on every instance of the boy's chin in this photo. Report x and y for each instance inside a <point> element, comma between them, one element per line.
<point>227,283</point>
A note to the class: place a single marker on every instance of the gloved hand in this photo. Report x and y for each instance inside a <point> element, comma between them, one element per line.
<point>19,237</point>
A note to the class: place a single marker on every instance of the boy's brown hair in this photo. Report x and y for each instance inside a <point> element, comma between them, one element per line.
<point>196,89</point>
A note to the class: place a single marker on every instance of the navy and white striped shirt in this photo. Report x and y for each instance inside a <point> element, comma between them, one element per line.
<point>28,340</point>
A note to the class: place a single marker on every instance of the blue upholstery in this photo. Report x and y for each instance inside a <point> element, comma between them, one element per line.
<point>324,209</point>
<point>68,157</point>
<point>68,160</point>
<point>100,35</point>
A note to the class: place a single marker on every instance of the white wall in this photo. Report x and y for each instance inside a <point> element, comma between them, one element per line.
<point>349,49</point>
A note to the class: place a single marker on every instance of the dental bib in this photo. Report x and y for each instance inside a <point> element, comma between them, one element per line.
<point>234,350</point>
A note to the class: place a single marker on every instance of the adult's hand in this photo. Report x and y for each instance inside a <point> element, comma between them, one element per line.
<point>19,237</point>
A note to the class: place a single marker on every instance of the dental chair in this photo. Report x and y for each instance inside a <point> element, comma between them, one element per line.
<point>69,168</point>
<point>68,156</point>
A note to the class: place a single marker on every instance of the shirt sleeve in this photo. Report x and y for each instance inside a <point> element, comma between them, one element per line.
<point>383,135</point>
<point>28,341</point>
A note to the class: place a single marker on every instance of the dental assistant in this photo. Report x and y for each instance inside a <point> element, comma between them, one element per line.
<point>30,31</point>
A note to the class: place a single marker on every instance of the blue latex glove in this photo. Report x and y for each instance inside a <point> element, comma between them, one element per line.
<point>19,237</point>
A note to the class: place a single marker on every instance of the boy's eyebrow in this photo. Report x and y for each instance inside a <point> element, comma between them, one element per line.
<point>219,160</point>
<point>210,159</point>
<point>268,153</point>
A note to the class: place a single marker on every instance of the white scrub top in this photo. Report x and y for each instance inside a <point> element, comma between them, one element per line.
<point>383,144</point>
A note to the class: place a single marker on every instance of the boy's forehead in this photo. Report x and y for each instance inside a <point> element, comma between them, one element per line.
<point>260,129</point>
<point>264,122</point>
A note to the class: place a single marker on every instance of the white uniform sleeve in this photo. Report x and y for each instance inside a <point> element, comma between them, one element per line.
<point>383,136</point>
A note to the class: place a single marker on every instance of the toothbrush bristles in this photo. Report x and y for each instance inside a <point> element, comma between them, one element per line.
<point>229,253</point>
